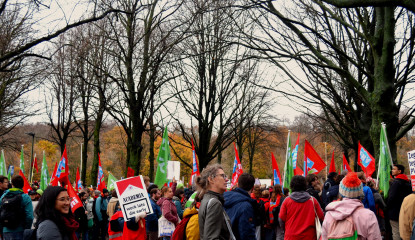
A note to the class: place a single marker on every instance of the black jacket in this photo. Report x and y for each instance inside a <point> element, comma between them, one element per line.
<point>399,189</point>
<point>314,193</point>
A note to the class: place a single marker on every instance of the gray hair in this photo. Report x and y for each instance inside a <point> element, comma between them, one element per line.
<point>203,180</point>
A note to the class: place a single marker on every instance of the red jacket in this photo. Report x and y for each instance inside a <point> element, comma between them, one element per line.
<point>297,213</point>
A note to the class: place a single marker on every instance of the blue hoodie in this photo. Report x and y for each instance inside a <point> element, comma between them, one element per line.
<point>240,208</point>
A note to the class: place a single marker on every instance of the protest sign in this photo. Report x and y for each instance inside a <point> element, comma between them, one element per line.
<point>173,170</point>
<point>411,161</point>
<point>133,197</point>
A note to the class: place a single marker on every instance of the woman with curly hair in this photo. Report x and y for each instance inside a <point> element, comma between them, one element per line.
<point>55,219</point>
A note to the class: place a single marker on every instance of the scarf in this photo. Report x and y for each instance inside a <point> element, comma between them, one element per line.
<point>402,176</point>
<point>71,225</point>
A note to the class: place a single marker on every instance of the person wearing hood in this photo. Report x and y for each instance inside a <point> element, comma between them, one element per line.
<point>400,188</point>
<point>330,182</point>
<point>168,208</point>
<point>298,212</point>
<point>112,204</point>
<point>351,193</point>
<point>240,208</point>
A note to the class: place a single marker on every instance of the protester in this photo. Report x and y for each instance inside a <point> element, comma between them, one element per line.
<point>81,216</point>
<point>168,208</point>
<point>314,187</point>
<point>351,191</point>
<point>101,204</point>
<point>333,192</point>
<point>368,201</point>
<point>400,188</point>
<point>240,208</point>
<point>406,217</point>
<point>15,217</point>
<point>4,184</point>
<point>298,212</point>
<point>177,200</point>
<point>55,218</point>
<point>112,204</point>
<point>152,219</point>
<point>133,229</point>
<point>89,204</point>
<point>331,181</point>
<point>213,220</point>
<point>275,202</point>
<point>380,205</point>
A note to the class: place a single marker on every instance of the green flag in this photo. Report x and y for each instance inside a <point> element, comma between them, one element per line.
<point>44,177</point>
<point>385,162</point>
<point>111,182</point>
<point>22,161</point>
<point>3,169</point>
<point>288,167</point>
<point>162,159</point>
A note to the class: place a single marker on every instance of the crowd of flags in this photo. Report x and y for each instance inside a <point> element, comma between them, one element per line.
<point>312,164</point>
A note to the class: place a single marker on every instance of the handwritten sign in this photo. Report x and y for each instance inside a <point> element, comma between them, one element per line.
<point>133,197</point>
<point>173,170</point>
<point>411,161</point>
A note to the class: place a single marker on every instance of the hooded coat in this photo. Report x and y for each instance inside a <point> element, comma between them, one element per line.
<point>298,217</point>
<point>364,219</point>
<point>240,208</point>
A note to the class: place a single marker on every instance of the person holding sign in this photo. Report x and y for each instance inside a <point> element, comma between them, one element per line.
<point>134,228</point>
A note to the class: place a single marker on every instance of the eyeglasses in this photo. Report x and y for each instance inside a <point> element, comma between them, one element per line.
<point>222,175</point>
<point>63,199</point>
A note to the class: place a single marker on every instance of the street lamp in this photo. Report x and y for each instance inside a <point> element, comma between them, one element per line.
<point>31,155</point>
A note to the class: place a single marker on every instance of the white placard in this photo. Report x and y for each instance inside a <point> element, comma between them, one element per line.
<point>133,197</point>
<point>411,161</point>
<point>173,170</point>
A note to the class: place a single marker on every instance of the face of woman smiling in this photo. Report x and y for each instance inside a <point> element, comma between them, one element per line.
<point>62,203</point>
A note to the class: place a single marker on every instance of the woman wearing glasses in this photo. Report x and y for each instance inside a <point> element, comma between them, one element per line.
<point>214,223</point>
<point>55,219</point>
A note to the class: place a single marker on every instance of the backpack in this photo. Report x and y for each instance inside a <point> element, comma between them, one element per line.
<point>11,211</point>
<point>343,229</point>
<point>180,231</point>
<point>260,213</point>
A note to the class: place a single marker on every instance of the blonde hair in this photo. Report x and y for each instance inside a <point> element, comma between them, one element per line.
<point>202,181</point>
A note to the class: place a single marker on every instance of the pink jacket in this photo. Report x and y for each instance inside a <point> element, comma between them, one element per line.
<point>364,219</point>
<point>168,209</point>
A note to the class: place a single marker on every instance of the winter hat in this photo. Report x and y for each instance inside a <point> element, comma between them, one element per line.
<point>351,186</point>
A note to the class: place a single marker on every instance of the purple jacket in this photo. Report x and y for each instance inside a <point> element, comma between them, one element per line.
<point>168,209</point>
<point>364,219</point>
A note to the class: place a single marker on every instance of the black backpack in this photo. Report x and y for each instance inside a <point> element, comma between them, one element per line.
<point>276,211</point>
<point>11,211</point>
<point>260,213</point>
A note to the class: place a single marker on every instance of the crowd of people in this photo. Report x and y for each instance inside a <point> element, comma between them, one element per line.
<point>344,206</point>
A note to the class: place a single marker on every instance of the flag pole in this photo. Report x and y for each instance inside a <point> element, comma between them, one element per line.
<point>325,153</point>
<point>286,158</point>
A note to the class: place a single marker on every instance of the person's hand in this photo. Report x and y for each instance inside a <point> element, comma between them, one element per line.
<point>174,180</point>
<point>141,215</point>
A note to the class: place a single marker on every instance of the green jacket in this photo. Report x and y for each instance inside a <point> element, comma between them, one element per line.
<point>28,210</point>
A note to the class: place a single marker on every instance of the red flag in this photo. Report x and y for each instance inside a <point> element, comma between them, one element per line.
<point>298,171</point>
<point>275,170</point>
<point>26,186</point>
<point>332,164</point>
<point>100,181</point>
<point>346,165</point>
<point>75,201</point>
<point>195,168</point>
<point>237,168</point>
<point>77,179</point>
<point>53,179</point>
<point>366,161</point>
<point>314,163</point>
<point>35,164</point>
<point>130,172</point>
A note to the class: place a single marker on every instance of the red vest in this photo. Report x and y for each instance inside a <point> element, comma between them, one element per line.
<point>127,234</point>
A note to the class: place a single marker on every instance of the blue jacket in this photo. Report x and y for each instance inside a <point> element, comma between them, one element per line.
<point>28,210</point>
<point>369,200</point>
<point>101,204</point>
<point>152,220</point>
<point>240,208</point>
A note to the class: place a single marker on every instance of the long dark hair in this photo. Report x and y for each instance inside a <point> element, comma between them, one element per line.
<point>45,209</point>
